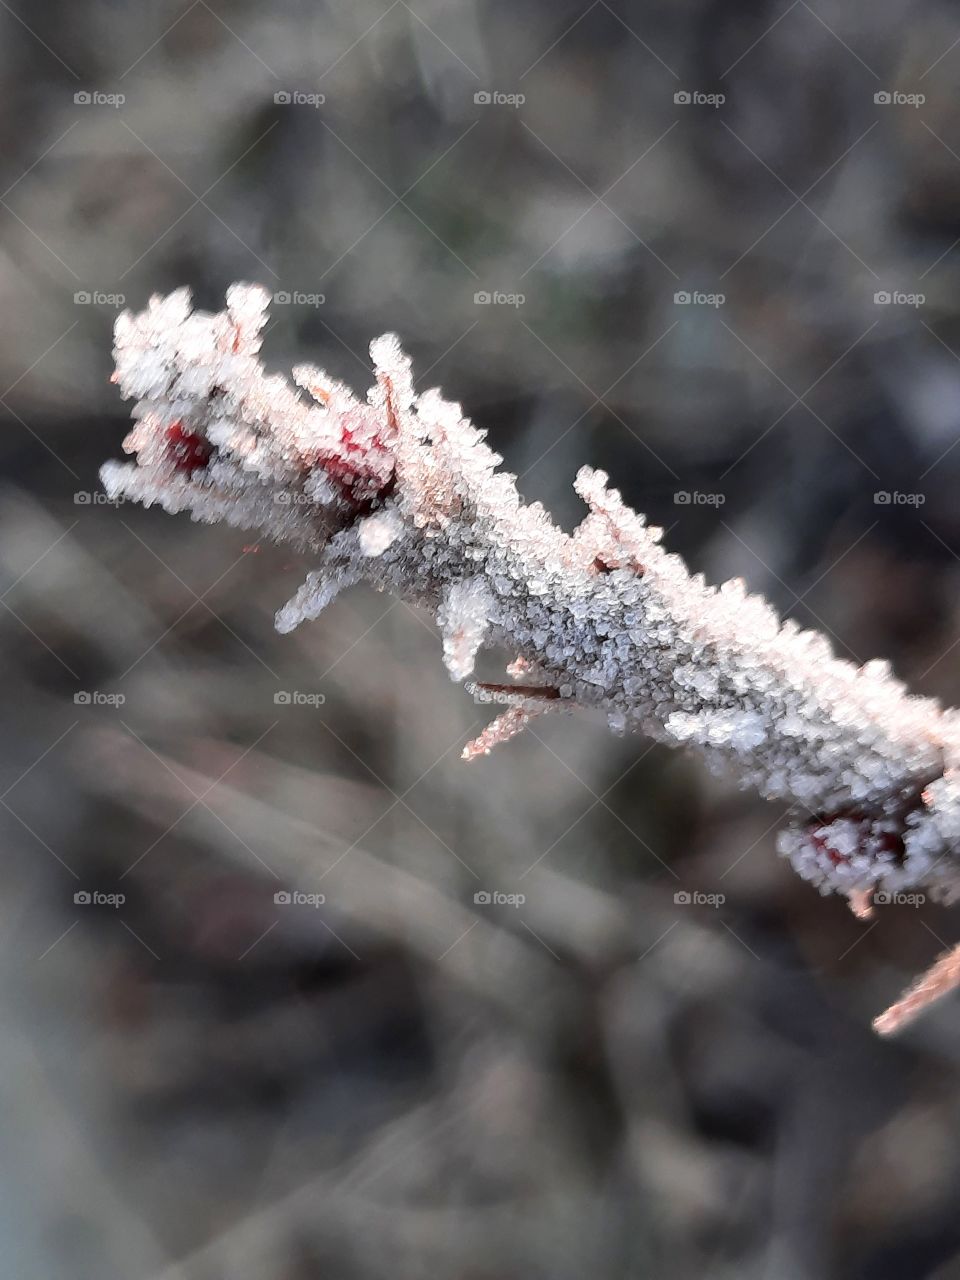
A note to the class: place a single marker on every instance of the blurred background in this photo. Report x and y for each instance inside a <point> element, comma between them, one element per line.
<point>288,991</point>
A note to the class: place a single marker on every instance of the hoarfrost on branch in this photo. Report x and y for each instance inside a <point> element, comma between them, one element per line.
<point>400,491</point>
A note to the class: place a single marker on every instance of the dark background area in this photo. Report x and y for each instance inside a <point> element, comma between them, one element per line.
<point>202,1082</point>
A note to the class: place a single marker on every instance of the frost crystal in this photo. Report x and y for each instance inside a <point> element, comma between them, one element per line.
<point>464,616</point>
<point>400,491</point>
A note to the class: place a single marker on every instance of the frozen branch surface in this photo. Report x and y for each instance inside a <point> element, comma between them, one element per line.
<point>400,491</point>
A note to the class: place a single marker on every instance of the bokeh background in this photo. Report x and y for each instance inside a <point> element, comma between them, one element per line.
<point>202,1082</point>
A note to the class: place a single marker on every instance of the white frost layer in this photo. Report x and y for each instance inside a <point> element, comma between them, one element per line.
<point>399,490</point>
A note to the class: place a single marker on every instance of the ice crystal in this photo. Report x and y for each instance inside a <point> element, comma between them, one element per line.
<point>400,491</point>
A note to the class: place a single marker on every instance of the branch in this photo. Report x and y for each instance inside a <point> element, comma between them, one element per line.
<point>401,492</point>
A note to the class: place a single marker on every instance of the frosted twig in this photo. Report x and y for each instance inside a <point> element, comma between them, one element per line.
<point>860,904</point>
<point>942,977</point>
<point>401,492</point>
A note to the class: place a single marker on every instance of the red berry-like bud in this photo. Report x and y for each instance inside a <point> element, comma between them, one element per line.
<point>186,450</point>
